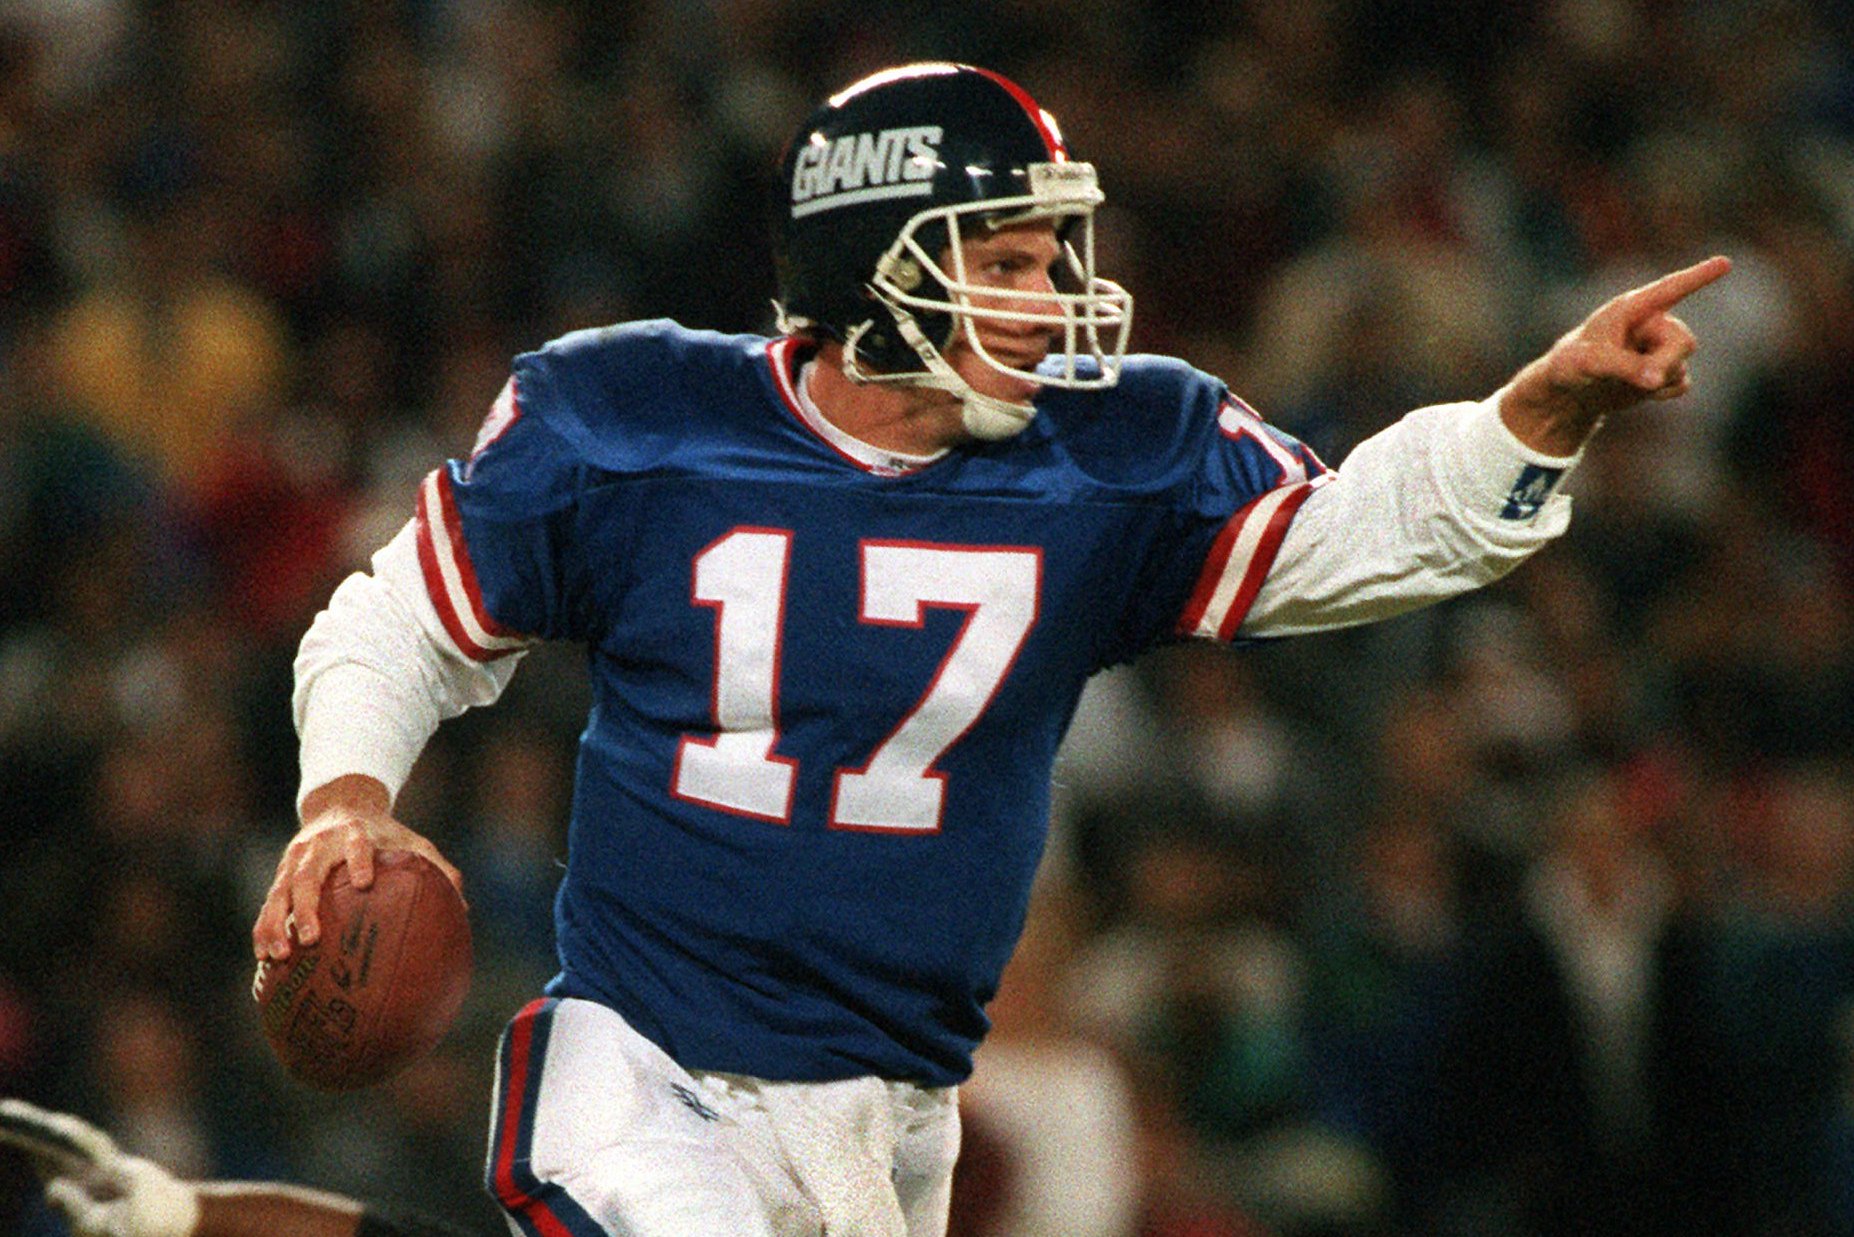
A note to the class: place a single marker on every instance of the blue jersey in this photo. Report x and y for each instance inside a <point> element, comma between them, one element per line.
<point>814,786</point>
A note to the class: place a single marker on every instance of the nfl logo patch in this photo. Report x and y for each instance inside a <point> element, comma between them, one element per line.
<point>1530,491</point>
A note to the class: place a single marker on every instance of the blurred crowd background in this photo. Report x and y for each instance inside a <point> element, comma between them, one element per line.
<point>1526,915</point>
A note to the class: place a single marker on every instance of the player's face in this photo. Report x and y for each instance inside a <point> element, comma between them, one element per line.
<point>1012,265</point>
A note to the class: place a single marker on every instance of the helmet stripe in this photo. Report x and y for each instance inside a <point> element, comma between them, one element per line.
<point>1044,122</point>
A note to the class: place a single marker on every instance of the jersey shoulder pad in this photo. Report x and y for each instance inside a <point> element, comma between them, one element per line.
<point>1167,388</point>
<point>624,396</point>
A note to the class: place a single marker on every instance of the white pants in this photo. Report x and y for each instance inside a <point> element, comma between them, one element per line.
<point>596,1132</point>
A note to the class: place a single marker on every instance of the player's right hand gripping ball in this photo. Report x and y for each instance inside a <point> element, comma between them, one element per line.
<point>380,987</point>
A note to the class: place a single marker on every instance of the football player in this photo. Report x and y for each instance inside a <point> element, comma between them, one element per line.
<point>839,591</point>
<point>102,1191</point>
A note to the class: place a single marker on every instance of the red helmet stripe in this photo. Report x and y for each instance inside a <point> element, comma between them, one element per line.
<point>1044,122</point>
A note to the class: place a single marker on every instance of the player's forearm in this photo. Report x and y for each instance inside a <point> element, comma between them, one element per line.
<point>376,673</point>
<point>240,1209</point>
<point>358,725</point>
<point>269,1209</point>
<point>1442,502</point>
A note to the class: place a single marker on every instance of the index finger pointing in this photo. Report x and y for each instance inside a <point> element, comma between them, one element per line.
<point>1669,290</point>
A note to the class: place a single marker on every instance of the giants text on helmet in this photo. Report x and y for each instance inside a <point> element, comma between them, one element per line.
<point>865,167</point>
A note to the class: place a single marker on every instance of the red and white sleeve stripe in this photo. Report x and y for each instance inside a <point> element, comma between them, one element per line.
<point>450,578</point>
<point>501,419</point>
<point>1239,562</point>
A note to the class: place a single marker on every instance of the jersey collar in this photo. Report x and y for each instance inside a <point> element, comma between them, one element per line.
<point>794,389</point>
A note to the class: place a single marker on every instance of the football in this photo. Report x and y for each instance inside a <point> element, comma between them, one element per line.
<point>380,987</point>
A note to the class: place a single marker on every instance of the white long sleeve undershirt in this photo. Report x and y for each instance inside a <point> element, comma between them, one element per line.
<point>377,672</point>
<point>1412,518</point>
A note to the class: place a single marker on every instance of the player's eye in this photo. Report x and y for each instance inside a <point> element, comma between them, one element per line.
<point>1009,266</point>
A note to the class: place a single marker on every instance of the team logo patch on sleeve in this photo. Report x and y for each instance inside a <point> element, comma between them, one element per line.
<point>1533,486</point>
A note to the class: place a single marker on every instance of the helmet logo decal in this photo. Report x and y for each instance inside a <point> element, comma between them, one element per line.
<point>865,167</point>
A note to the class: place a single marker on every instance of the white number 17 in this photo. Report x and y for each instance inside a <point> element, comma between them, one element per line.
<point>743,575</point>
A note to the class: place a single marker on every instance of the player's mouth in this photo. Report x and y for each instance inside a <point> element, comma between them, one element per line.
<point>1024,354</point>
<point>1020,360</point>
<point>1014,387</point>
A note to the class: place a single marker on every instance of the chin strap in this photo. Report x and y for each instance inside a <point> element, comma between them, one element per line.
<point>993,419</point>
<point>984,417</point>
